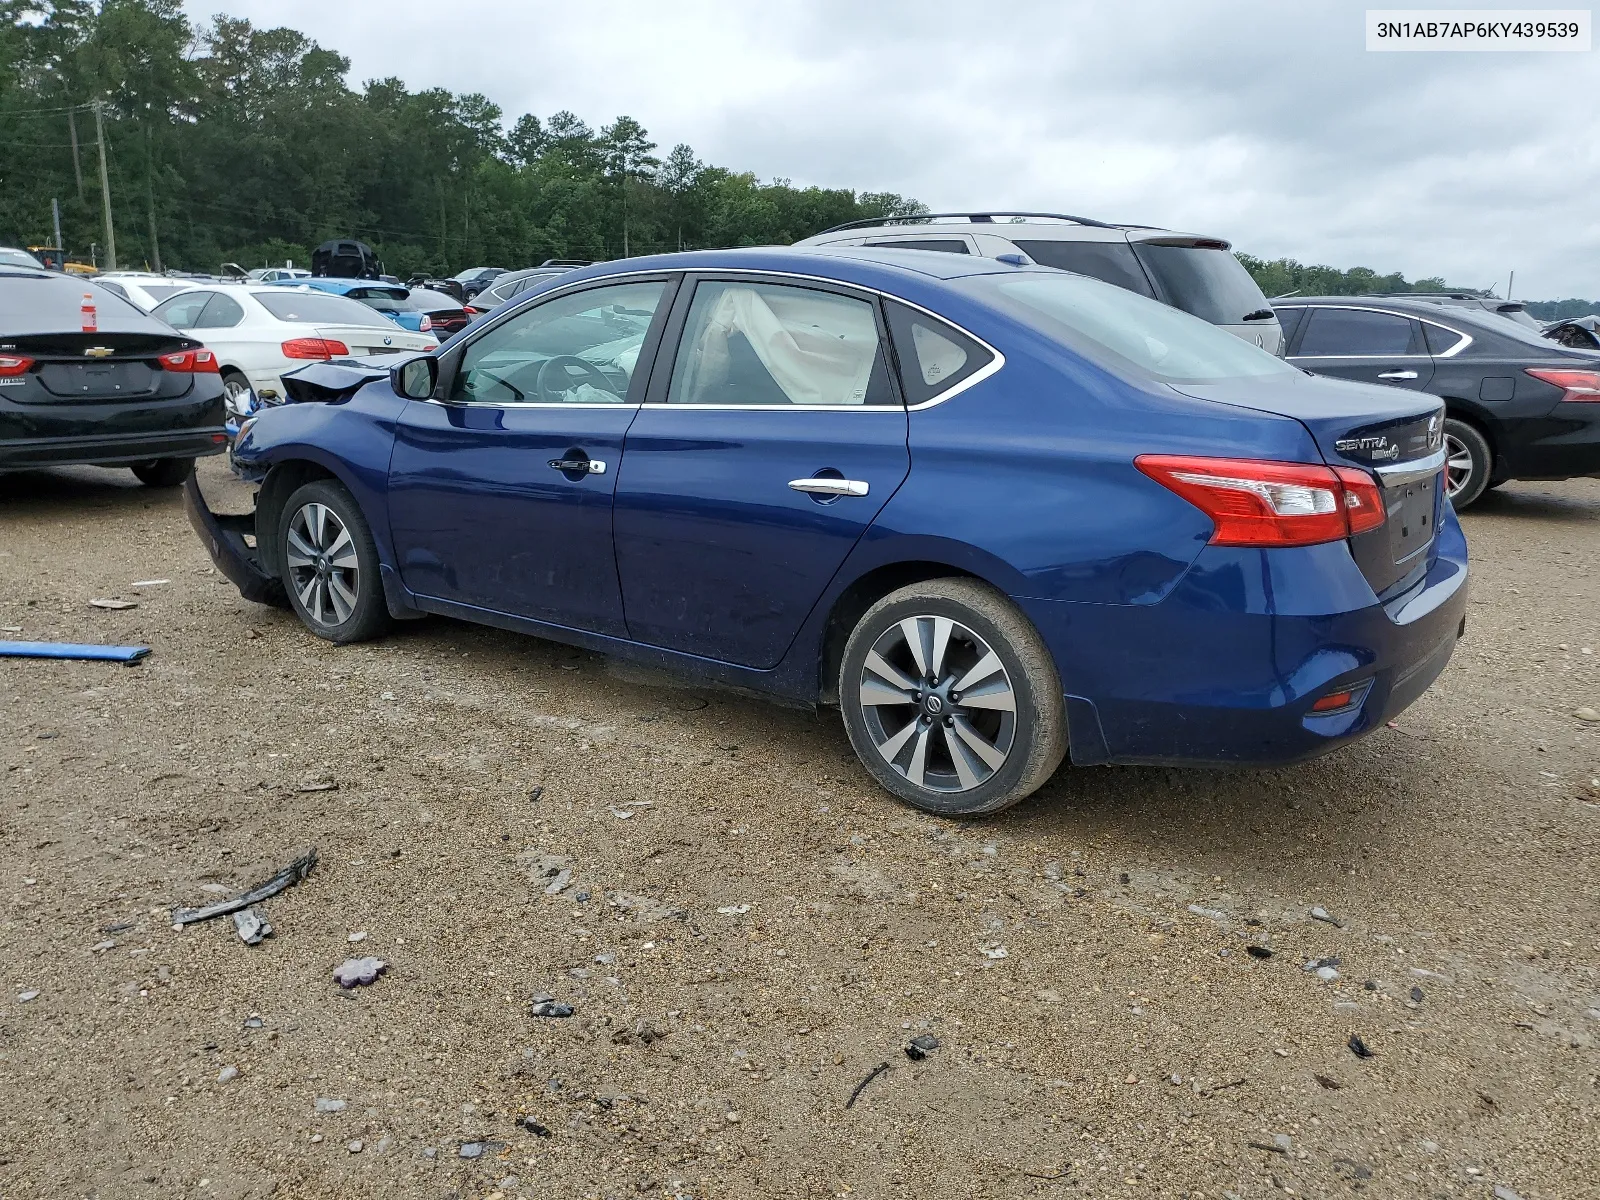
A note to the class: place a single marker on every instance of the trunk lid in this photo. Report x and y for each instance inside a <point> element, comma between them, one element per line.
<point>372,339</point>
<point>100,366</point>
<point>1395,434</point>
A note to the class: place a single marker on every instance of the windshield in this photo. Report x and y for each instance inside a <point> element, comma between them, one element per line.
<point>317,308</point>
<point>1212,284</point>
<point>1127,331</point>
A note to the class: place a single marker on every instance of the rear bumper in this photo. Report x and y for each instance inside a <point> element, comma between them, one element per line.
<point>110,449</point>
<point>1567,446</point>
<point>1225,669</point>
<point>224,539</point>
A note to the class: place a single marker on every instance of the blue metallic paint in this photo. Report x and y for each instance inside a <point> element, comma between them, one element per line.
<point>1170,649</point>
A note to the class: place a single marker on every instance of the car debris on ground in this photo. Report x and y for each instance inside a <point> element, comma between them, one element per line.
<point>358,972</point>
<point>284,879</point>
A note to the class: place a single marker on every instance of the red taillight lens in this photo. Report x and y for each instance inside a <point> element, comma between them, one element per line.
<point>191,362</point>
<point>427,324</point>
<point>474,311</point>
<point>12,365</point>
<point>317,348</point>
<point>1580,386</point>
<point>1334,701</point>
<point>1261,503</point>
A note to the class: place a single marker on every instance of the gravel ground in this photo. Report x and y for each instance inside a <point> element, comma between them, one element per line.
<point>747,928</point>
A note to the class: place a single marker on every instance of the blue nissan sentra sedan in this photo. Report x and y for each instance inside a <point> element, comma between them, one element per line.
<point>998,514</point>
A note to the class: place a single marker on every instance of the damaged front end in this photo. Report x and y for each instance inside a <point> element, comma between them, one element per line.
<point>230,539</point>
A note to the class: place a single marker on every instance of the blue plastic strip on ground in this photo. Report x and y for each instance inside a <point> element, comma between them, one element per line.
<point>122,654</point>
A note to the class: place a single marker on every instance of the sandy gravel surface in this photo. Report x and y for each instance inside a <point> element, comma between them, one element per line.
<point>746,927</point>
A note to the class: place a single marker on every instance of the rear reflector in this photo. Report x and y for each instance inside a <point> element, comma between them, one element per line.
<point>1256,502</point>
<point>191,362</point>
<point>1333,701</point>
<point>12,365</point>
<point>1580,386</point>
<point>316,348</point>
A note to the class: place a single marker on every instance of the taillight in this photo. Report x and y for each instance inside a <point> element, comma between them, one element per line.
<point>191,362</point>
<point>473,311</point>
<point>1579,386</point>
<point>317,348</point>
<point>12,365</point>
<point>427,324</point>
<point>1262,503</point>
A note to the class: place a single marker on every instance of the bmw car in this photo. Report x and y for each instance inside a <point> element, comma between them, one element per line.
<point>1001,515</point>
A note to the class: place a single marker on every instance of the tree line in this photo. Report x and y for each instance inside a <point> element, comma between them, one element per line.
<point>227,143</point>
<point>224,142</point>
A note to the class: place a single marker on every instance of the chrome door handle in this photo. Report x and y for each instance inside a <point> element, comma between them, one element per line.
<point>592,466</point>
<point>1397,375</point>
<point>830,487</point>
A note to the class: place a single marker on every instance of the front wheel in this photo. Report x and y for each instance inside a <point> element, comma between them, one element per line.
<point>163,472</point>
<point>951,698</point>
<point>1468,462</point>
<point>330,564</point>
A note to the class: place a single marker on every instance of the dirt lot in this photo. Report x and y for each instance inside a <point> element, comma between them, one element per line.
<point>749,927</point>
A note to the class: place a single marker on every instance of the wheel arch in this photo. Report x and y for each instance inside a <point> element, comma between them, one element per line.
<point>279,485</point>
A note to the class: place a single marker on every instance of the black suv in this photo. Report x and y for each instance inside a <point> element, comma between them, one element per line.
<point>1518,406</point>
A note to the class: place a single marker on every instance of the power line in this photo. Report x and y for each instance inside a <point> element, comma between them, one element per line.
<point>45,112</point>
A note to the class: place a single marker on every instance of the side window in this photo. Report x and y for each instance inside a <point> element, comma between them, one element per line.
<point>1290,319</point>
<point>765,344</point>
<point>577,349</point>
<point>223,312</point>
<point>934,357</point>
<point>1357,332</point>
<point>1439,338</point>
<point>1113,262</point>
<point>947,245</point>
<point>115,288</point>
<point>183,310</point>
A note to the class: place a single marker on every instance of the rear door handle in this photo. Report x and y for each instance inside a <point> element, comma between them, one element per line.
<point>591,466</point>
<point>830,487</point>
<point>1397,375</point>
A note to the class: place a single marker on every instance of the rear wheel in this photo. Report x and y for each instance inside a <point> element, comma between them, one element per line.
<point>238,396</point>
<point>330,564</point>
<point>163,472</point>
<point>951,698</point>
<point>1468,462</point>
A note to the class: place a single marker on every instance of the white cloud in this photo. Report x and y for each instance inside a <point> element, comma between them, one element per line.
<point>1264,122</point>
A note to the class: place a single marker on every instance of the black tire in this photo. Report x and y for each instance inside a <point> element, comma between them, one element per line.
<point>336,594</point>
<point>1461,439</point>
<point>960,736</point>
<point>163,472</point>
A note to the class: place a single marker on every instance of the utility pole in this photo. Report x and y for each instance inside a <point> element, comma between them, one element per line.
<point>105,188</point>
<point>150,195</point>
<point>55,211</point>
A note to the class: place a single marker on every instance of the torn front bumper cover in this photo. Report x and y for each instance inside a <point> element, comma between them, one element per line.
<point>224,537</point>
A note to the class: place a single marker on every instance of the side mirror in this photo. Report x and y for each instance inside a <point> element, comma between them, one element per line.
<point>415,379</point>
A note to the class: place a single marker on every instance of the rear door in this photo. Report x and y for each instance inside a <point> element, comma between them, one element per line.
<point>500,489</point>
<point>769,444</point>
<point>1368,345</point>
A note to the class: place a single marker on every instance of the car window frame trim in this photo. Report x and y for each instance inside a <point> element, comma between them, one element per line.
<point>1466,338</point>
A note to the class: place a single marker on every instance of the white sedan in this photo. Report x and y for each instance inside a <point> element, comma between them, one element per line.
<point>143,288</point>
<point>259,333</point>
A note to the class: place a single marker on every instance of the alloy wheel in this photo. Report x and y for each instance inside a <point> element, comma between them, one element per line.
<point>938,703</point>
<point>1458,464</point>
<point>323,566</point>
<point>238,397</point>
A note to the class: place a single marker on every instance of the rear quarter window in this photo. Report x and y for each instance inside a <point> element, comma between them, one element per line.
<point>1113,262</point>
<point>933,356</point>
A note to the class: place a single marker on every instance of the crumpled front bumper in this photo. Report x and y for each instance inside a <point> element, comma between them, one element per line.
<point>224,538</point>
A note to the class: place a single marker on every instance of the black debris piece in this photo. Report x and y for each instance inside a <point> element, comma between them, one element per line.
<point>1358,1047</point>
<point>1124,878</point>
<point>1370,985</point>
<point>1268,1147</point>
<point>862,1086</point>
<point>534,793</point>
<point>284,879</point>
<point>919,1047</point>
<point>550,1008</point>
<point>1416,994</point>
<point>1333,1085</point>
<point>534,1127</point>
<point>1258,952</point>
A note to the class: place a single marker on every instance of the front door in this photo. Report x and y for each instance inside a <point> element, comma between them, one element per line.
<point>764,453</point>
<point>500,489</point>
<point>1363,344</point>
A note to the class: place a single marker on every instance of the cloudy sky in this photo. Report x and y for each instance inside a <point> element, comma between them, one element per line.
<point>1264,121</point>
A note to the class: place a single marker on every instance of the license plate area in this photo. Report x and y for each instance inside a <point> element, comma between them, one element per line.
<point>1412,509</point>
<point>97,381</point>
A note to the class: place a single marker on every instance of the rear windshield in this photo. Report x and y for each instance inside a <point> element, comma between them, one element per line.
<point>1211,284</point>
<point>160,291</point>
<point>1127,332</point>
<point>427,300</point>
<point>317,308</point>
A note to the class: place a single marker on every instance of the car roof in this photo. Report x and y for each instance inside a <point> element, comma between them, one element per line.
<point>36,302</point>
<point>861,264</point>
<point>1059,227</point>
